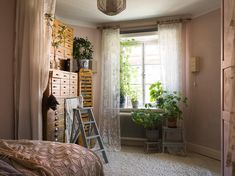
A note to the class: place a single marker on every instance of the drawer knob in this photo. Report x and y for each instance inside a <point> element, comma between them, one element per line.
<point>56,113</point>
<point>56,129</point>
<point>56,124</point>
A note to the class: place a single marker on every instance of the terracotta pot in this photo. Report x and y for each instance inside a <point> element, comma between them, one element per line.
<point>172,122</point>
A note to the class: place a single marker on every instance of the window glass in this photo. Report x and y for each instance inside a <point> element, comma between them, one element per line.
<point>146,69</point>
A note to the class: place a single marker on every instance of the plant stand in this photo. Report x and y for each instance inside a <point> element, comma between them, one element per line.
<point>166,142</point>
<point>151,147</point>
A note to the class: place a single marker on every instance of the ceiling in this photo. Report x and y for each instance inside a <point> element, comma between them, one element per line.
<point>85,12</point>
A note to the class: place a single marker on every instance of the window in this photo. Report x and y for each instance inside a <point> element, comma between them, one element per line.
<point>145,66</point>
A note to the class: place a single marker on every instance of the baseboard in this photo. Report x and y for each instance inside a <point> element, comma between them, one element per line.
<point>130,141</point>
<point>206,151</point>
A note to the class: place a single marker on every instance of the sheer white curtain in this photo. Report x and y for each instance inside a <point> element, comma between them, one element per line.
<point>31,65</point>
<point>170,47</point>
<point>110,89</point>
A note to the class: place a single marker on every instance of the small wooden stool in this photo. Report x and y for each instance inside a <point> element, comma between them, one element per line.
<point>151,147</point>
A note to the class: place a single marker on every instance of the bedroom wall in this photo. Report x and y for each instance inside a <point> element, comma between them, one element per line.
<point>94,35</point>
<point>203,119</point>
<point>7,20</point>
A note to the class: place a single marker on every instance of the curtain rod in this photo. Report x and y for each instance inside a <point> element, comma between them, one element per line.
<point>173,20</point>
<point>145,23</point>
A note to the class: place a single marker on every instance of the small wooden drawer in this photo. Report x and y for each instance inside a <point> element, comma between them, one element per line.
<point>64,93</point>
<point>64,87</point>
<point>55,81</point>
<point>68,46</point>
<point>64,81</point>
<point>56,93</point>
<point>68,54</point>
<point>73,82</point>
<point>73,86</point>
<point>73,92</point>
<point>65,75</point>
<point>69,30</point>
<point>56,74</point>
<point>60,52</point>
<point>54,87</point>
<point>69,40</point>
<point>74,76</point>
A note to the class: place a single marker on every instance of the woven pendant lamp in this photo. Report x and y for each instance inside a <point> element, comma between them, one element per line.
<point>111,7</point>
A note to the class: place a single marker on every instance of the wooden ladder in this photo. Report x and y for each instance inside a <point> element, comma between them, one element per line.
<point>92,133</point>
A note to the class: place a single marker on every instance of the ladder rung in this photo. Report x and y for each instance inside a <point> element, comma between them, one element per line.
<point>97,150</point>
<point>92,137</point>
<point>84,108</point>
<point>87,123</point>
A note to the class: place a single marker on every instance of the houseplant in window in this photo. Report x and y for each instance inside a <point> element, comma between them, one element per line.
<point>156,93</point>
<point>134,99</point>
<point>150,119</point>
<point>82,51</point>
<point>171,105</point>
<point>169,102</point>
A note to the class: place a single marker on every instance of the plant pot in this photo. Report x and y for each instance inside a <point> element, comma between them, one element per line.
<point>172,122</point>
<point>83,63</point>
<point>122,101</point>
<point>152,135</point>
<point>135,104</point>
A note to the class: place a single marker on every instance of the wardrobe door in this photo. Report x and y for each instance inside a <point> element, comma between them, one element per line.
<point>228,76</point>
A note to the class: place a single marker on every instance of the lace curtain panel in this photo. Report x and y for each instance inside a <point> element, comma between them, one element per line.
<point>31,65</point>
<point>170,47</point>
<point>109,120</point>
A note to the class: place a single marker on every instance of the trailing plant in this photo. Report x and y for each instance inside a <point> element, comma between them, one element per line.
<point>148,118</point>
<point>82,48</point>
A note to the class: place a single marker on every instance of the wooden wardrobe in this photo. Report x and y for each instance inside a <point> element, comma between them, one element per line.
<point>228,75</point>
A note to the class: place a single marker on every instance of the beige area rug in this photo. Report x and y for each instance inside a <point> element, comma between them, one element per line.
<point>134,162</point>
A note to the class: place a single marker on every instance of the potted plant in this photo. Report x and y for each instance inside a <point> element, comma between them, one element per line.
<point>82,51</point>
<point>171,107</point>
<point>169,102</point>
<point>134,99</point>
<point>150,119</point>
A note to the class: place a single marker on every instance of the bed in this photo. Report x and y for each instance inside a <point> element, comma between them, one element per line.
<point>25,157</point>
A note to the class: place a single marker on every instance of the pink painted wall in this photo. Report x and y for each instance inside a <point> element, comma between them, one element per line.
<point>7,21</point>
<point>94,35</point>
<point>203,117</point>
